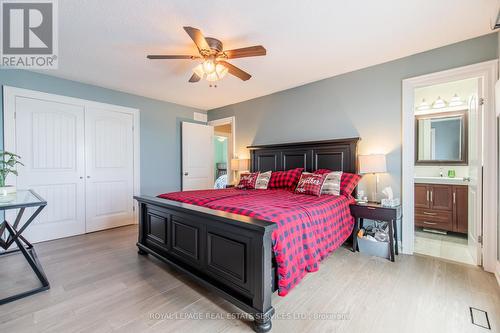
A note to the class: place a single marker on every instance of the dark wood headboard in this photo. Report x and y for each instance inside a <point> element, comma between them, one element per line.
<point>337,155</point>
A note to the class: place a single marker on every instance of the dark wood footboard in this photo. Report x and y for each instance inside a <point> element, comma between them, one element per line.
<point>227,253</point>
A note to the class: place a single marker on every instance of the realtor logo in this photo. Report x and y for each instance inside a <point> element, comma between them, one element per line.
<point>29,34</point>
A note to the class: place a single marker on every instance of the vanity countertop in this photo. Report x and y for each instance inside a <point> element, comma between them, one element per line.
<point>440,180</point>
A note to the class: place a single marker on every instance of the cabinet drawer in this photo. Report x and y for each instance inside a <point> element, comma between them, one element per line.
<point>436,219</point>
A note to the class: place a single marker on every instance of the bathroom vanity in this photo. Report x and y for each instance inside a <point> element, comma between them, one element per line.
<point>441,206</point>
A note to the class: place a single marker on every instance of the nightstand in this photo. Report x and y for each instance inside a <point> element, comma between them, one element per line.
<point>374,211</point>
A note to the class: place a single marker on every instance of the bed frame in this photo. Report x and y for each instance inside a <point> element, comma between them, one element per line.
<point>228,253</point>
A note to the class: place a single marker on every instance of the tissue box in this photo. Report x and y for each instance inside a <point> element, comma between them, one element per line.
<point>391,202</point>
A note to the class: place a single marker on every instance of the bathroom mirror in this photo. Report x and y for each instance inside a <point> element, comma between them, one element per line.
<point>441,138</point>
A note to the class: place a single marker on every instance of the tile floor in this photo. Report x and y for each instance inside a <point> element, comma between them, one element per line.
<point>451,247</point>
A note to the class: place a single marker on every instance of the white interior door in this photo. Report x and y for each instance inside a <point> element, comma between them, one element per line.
<point>197,156</point>
<point>109,159</point>
<point>475,175</point>
<point>50,139</point>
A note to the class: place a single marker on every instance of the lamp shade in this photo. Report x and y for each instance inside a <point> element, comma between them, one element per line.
<point>239,164</point>
<point>375,163</point>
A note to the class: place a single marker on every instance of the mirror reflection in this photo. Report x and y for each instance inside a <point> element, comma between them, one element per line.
<point>441,138</point>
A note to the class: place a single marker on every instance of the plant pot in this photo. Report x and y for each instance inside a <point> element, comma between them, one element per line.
<point>7,190</point>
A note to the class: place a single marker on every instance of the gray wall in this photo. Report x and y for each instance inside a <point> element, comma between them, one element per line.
<point>160,124</point>
<point>364,103</point>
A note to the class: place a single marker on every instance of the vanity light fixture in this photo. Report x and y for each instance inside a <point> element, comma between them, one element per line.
<point>439,103</point>
<point>456,101</point>
<point>423,106</point>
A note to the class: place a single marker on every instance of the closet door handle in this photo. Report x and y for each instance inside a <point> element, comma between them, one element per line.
<point>454,198</point>
<point>81,177</point>
<point>88,177</point>
<point>427,195</point>
<point>431,196</point>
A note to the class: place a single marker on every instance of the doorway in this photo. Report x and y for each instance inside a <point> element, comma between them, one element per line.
<point>223,151</point>
<point>447,180</point>
<point>434,193</point>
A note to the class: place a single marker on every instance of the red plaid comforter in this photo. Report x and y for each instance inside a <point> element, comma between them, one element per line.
<point>309,227</point>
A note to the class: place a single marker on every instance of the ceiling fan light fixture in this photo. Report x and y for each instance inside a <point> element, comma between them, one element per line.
<point>198,70</point>
<point>209,66</point>
<point>212,77</point>
<point>221,70</point>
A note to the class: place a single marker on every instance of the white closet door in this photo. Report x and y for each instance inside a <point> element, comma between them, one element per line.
<point>50,140</point>
<point>109,160</point>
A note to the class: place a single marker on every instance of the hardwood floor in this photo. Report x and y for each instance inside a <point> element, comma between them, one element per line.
<point>100,284</point>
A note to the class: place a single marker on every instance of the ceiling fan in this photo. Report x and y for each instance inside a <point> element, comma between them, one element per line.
<point>214,66</point>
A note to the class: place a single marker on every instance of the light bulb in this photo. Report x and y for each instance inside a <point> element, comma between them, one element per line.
<point>198,70</point>
<point>221,70</point>
<point>423,106</point>
<point>212,77</point>
<point>209,66</point>
<point>456,101</point>
<point>439,103</point>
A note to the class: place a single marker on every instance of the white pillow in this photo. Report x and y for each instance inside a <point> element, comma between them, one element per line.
<point>263,180</point>
<point>331,184</point>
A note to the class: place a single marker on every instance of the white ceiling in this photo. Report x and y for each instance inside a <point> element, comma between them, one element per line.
<point>105,42</point>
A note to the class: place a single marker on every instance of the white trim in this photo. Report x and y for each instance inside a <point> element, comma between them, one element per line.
<point>232,154</point>
<point>497,272</point>
<point>10,94</point>
<point>488,71</point>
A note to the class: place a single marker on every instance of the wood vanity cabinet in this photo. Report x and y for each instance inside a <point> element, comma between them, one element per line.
<point>442,207</point>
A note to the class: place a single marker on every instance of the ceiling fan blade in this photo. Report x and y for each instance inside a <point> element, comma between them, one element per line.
<point>251,51</point>
<point>154,56</point>
<point>194,78</point>
<point>197,38</point>
<point>236,71</point>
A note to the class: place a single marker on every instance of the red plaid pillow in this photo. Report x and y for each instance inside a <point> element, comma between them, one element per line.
<point>310,183</point>
<point>285,179</point>
<point>348,183</point>
<point>322,171</point>
<point>248,180</point>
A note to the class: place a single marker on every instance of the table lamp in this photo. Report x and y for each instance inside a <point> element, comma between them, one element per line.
<point>374,164</point>
<point>239,165</point>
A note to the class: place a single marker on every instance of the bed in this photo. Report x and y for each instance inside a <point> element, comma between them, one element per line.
<point>227,239</point>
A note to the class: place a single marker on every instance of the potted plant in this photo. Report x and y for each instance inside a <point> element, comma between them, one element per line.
<point>8,163</point>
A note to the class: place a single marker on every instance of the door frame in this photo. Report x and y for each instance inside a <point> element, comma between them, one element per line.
<point>9,124</point>
<point>488,71</point>
<point>232,150</point>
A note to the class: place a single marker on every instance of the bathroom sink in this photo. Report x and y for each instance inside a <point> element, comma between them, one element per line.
<point>440,180</point>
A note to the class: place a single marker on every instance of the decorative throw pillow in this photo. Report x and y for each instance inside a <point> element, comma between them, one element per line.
<point>263,180</point>
<point>323,171</point>
<point>310,183</point>
<point>331,186</point>
<point>348,183</point>
<point>285,179</point>
<point>248,180</point>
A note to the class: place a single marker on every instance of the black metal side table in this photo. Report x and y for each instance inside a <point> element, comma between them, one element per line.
<point>12,233</point>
